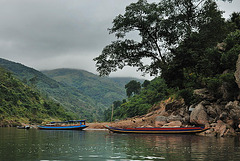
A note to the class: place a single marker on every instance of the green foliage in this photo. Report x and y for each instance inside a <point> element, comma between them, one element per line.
<point>234,22</point>
<point>141,103</point>
<point>144,18</point>
<point>232,50</point>
<point>71,98</point>
<point>133,87</point>
<point>162,27</point>
<point>226,80</point>
<point>212,83</point>
<point>190,45</point>
<point>101,90</point>
<point>145,83</point>
<point>187,95</point>
<point>20,101</point>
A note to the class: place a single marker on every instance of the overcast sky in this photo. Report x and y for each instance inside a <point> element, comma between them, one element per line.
<point>50,34</point>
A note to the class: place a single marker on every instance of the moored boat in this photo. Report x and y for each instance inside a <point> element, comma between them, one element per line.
<point>23,127</point>
<point>157,130</point>
<point>65,125</point>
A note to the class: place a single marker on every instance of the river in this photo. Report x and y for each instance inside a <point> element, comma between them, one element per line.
<point>99,145</point>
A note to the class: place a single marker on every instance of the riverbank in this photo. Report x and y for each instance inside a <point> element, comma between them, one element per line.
<point>138,121</point>
<point>221,117</point>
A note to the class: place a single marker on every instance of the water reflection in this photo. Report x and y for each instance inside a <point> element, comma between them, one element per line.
<point>31,145</point>
<point>179,147</point>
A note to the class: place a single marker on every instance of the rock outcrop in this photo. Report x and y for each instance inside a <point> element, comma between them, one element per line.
<point>222,117</point>
<point>237,73</point>
<point>199,115</point>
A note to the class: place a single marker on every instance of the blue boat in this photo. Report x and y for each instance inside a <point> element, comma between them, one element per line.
<point>157,130</point>
<point>65,125</point>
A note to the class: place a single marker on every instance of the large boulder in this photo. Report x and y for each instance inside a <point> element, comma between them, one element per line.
<point>160,121</point>
<point>237,73</point>
<point>174,118</point>
<point>203,94</point>
<point>222,129</point>
<point>212,112</point>
<point>199,115</point>
<point>233,109</point>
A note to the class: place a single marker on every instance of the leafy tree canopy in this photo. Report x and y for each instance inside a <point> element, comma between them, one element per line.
<point>161,26</point>
<point>133,87</point>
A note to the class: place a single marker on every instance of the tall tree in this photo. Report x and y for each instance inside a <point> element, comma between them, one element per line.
<point>161,26</point>
<point>191,58</point>
<point>133,87</point>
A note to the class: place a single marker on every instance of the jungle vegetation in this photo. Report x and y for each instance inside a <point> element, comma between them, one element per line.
<point>189,44</point>
<point>78,91</point>
<point>20,103</point>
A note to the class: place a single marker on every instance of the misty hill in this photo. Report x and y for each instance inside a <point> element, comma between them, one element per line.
<point>71,98</point>
<point>20,103</point>
<point>105,90</point>
<point>79,91</point>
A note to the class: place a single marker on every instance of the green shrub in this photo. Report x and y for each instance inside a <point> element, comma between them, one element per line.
<point>187,95</point>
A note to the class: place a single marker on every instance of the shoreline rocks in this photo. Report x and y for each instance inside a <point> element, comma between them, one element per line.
<point>223,118</point>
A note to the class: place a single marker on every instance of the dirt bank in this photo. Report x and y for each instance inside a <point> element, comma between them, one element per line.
<point>141,121</point>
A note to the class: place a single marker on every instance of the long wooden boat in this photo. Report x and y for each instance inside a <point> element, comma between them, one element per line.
<point>65,125</point>
<point>157,130</point>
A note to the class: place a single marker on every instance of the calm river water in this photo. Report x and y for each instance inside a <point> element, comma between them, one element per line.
<point>96,145</point>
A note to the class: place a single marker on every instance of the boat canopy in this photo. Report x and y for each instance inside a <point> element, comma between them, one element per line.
<point>69,121</point>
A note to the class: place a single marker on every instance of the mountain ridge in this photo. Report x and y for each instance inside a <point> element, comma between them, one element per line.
<point>75,102</point>
<point>103,89</point>
<point>20,103</point>
<point>73,98</point>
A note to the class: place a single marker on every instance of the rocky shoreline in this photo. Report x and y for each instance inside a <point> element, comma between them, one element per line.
<point>223,118</point>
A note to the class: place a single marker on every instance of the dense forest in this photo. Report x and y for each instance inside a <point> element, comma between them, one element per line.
<point>190,45</point>
<point>83,93</point>
<point>103,90</point>
<point>69,97</point>
<point>21,104</point>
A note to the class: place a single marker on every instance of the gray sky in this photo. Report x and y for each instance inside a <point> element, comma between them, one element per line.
<point>50,34</point>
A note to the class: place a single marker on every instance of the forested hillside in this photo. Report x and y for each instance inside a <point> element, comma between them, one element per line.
<point>71,98</point>
<point>22,104</point>
<point>104,90</point>
<point>190,44</point>
<point>81,92</point>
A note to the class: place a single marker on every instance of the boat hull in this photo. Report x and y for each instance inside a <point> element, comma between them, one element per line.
<point>23,127</point>
<point>157,130</point>
<point>80,127</point>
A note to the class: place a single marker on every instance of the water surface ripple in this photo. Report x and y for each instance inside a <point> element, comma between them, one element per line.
<point>95,145</point>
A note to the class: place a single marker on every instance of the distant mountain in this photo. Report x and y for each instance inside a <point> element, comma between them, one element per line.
<point>104,90</point>
<point>20,103</point>
<point>71,98</point>
<point>79,91</point>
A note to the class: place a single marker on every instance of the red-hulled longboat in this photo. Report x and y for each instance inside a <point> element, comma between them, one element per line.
<point>157,130</point>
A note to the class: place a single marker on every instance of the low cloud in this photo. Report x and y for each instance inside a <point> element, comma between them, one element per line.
<point>48,34</point>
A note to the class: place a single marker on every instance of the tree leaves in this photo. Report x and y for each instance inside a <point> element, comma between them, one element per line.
<point>161,27</point>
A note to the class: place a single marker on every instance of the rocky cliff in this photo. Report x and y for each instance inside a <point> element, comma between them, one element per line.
<point>237,73</point>
<point>223,118</point>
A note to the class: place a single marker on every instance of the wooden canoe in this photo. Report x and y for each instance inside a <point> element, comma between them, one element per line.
<point>157,130</point>
<point>65,125</point>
